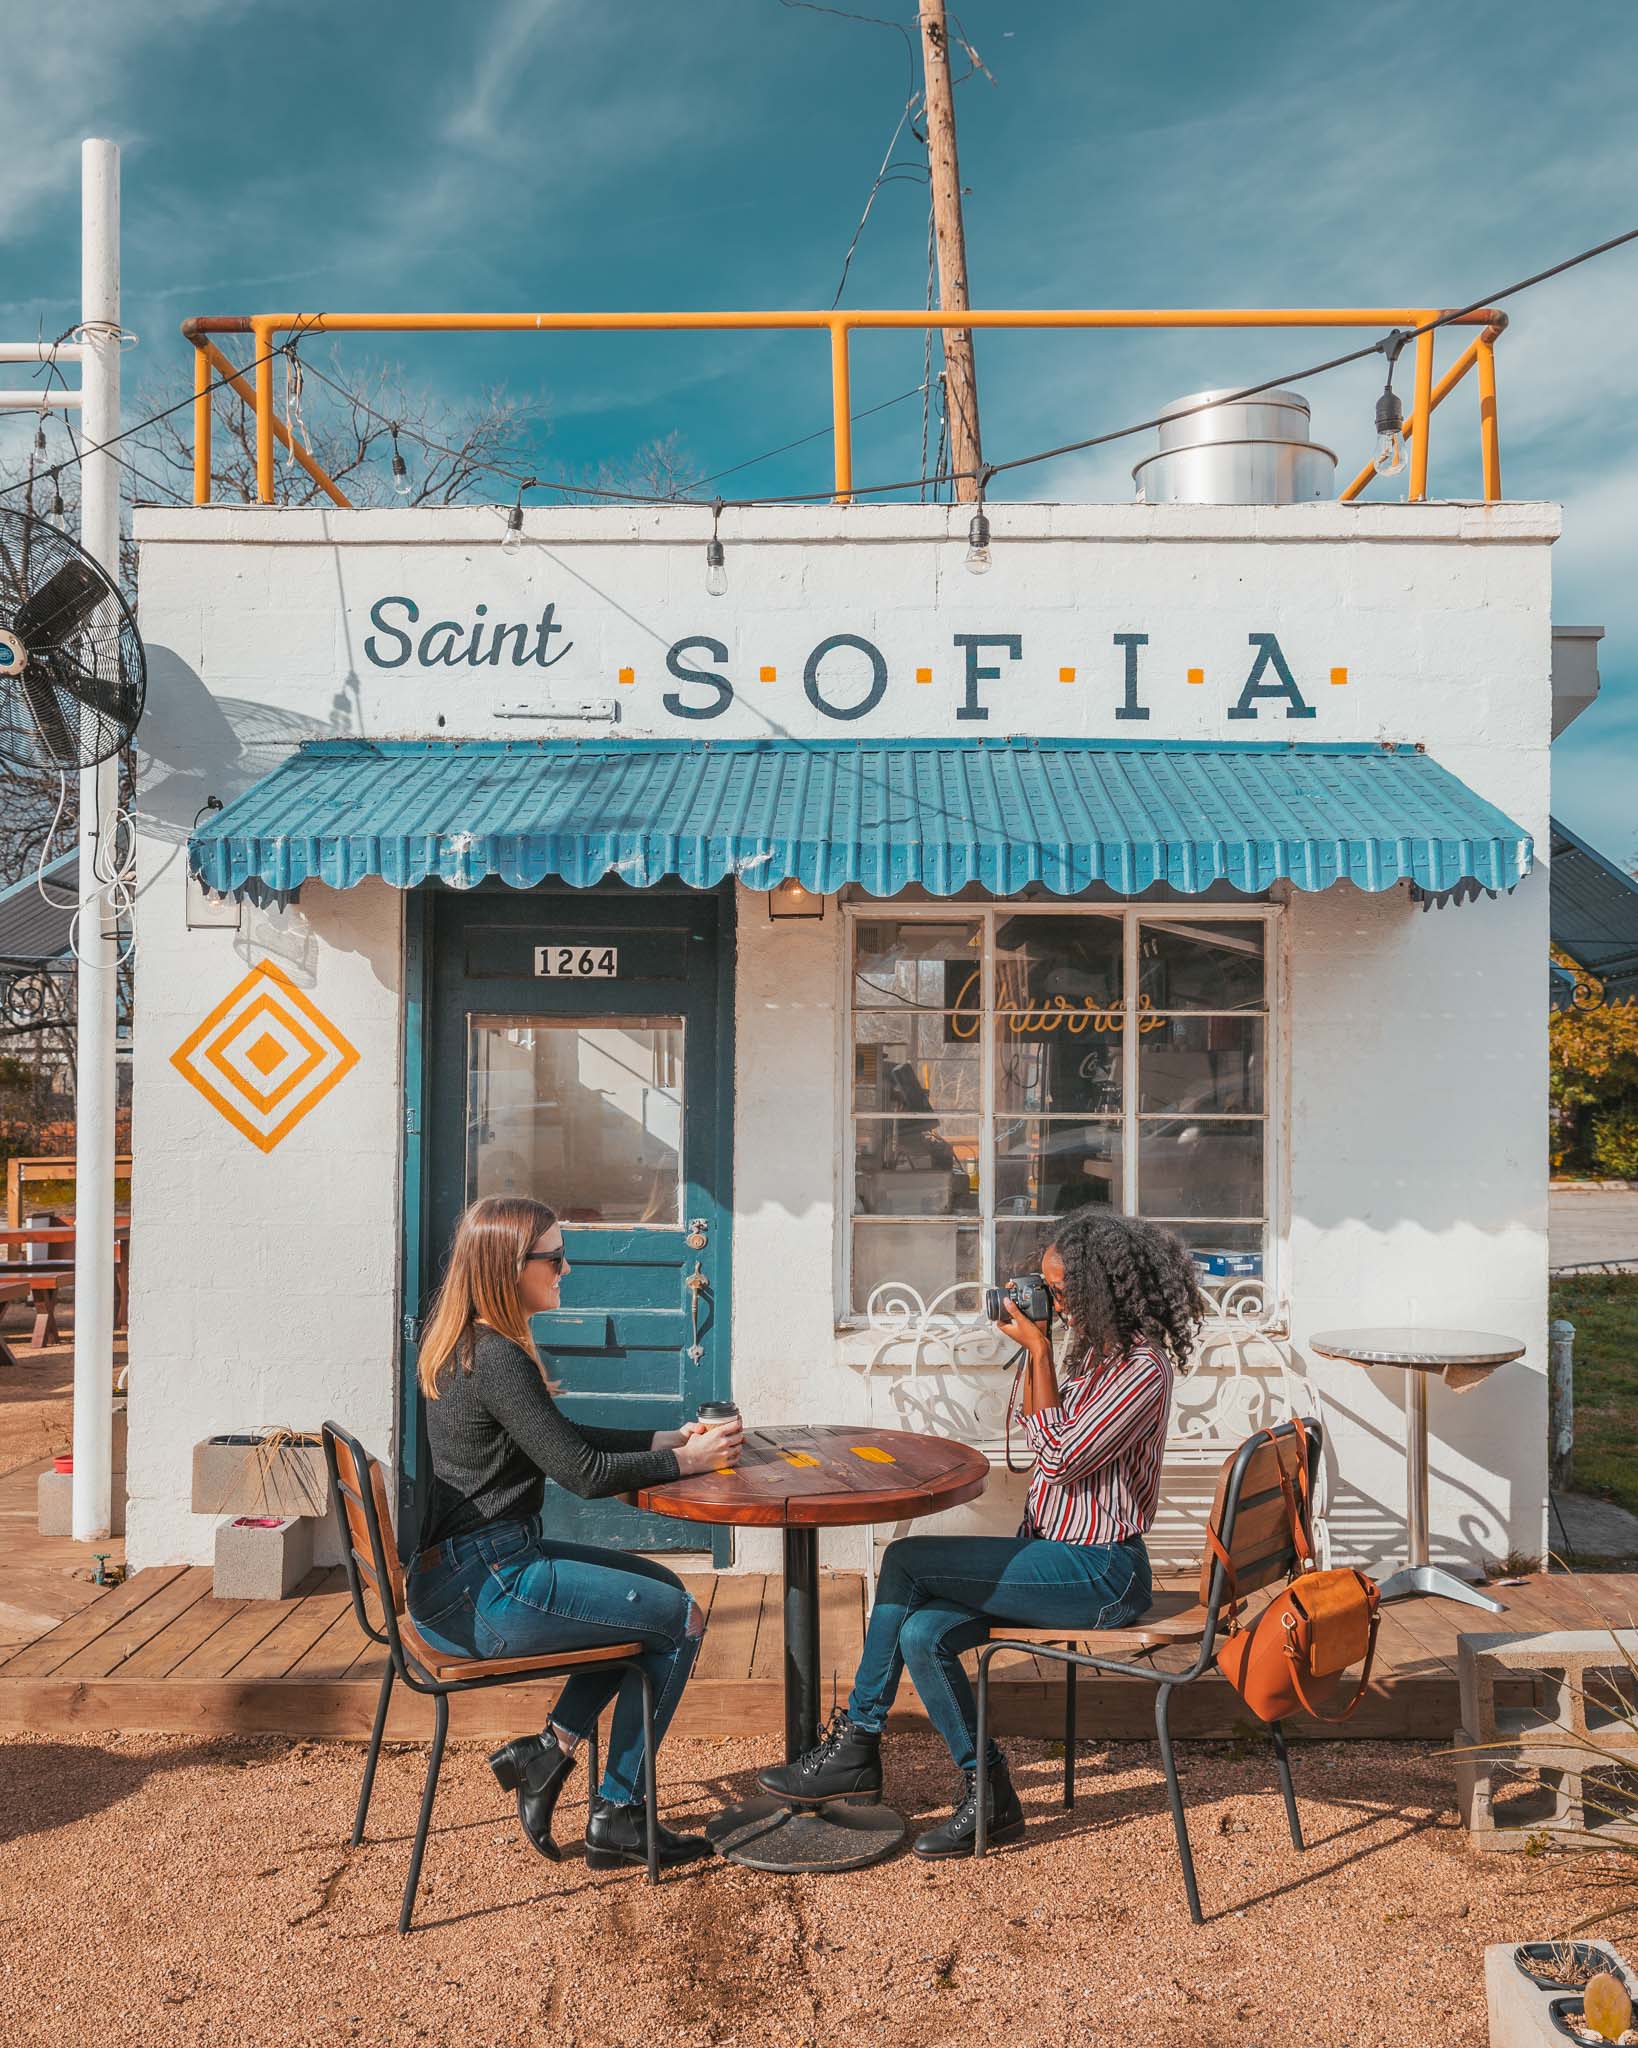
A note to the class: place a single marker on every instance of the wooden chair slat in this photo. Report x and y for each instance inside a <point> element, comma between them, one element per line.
<point>1261,1508</point>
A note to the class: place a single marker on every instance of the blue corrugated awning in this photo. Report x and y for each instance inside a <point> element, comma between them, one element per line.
<point>884,814</point>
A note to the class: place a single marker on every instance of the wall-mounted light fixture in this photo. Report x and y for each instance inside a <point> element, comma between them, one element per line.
<point>790,899</point>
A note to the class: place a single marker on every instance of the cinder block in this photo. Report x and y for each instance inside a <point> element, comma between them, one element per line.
<point>55,1500</point>
<point>54,1504</point>
<point>240,1476</point>
<point>1578,1800</point>
<point>1581,1678</point>
<point>262,1559</point>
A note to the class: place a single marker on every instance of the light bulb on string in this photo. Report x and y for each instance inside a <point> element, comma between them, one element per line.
<point>978,531</point>
<point>39,436</point>
<point>400,468</point>
<point>1389,459</point>
<point>512,538</point>
<point>716,564</point>
<point>57,511</point>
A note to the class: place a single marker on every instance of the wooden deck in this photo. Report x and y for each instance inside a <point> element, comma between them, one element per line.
<point>160,1653</point>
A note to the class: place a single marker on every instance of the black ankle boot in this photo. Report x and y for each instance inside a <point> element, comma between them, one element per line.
<point>845,1763</point>
<point>619,1834</point>
<point>955,1836</point>
<point>535,1767</point>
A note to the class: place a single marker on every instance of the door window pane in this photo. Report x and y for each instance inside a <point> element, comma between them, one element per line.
<point>1057,966</point>
<point>583,1113</point>
<point>1066,1070</point>
<point>1201,1064</point>
<point>920,1259</point>
<point>1201,966</point>
<point>1051,1169</point>
<point>915,1166</point>
<point>902,962</point>
<point>1195,1166</point>
<point>915,1062</point>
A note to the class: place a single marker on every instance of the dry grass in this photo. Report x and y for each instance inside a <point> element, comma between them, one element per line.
<point>161,1890</point>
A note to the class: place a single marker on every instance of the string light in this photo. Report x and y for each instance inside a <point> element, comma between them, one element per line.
<point>716,566</point>
<point>1390,414</point>
<point>400,468</point>
<point>978,533</point>
<point>57,511</point>
<point>39,435</point>
<point>512,538</point>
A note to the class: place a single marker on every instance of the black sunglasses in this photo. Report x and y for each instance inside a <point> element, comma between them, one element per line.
<point>550,1258</point>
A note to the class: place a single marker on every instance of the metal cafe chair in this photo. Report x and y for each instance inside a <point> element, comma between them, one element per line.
<point>1252,1525</point>
<point>359,1489</point>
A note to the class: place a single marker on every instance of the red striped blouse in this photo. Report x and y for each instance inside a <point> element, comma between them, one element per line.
<point>1098,1453</point>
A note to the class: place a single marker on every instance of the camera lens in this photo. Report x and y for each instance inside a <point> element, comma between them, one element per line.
<point>992,1304</point>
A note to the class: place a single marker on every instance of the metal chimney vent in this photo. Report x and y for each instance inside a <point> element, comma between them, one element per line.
<point>1253,452</point>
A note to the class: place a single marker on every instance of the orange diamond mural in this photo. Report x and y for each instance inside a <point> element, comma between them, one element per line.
<point>265,1056</point>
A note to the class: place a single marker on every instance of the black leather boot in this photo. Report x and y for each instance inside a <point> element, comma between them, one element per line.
<point>845,1763</point>
<point>955,1836</point>
<point>619,1834</point>
<point>535,1767</point>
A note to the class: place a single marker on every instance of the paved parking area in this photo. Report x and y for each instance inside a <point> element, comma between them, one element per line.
<point>1588,1223</point>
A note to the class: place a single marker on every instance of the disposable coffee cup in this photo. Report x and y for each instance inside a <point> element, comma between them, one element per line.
<point>718,1412</point>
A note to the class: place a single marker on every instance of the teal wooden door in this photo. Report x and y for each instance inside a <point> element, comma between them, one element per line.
<point>578,1048</point>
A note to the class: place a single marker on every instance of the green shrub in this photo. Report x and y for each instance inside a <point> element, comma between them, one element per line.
<point>1615,1143</point>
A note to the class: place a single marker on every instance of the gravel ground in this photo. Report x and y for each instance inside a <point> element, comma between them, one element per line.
<point>163,1890</point>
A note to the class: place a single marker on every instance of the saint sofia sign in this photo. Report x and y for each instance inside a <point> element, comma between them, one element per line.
<point>846,677</point>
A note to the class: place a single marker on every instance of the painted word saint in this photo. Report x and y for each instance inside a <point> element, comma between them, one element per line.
<point>844,676</point>
<point>594,962</point>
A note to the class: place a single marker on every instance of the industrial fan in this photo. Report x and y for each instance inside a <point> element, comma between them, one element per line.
<point>72,672</point>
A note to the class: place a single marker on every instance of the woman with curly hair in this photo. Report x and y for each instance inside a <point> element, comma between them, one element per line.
<point>1132,1303</point>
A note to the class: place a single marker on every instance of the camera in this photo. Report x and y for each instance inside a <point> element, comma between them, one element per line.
<point>1028,1294</point>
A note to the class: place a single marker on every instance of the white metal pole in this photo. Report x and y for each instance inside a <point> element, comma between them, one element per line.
<point>94,1096</point>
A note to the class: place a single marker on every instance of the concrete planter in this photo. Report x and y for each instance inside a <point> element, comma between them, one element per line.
<point>1527,2011</point>
<point>246,1475</point>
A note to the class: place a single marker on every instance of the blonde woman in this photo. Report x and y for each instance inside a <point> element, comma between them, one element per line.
<point>486,1582</point>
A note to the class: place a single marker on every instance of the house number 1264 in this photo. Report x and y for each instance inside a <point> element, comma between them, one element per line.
<point>595,961</point>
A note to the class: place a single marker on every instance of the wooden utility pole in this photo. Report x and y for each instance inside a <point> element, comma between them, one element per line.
<point>960,376</point>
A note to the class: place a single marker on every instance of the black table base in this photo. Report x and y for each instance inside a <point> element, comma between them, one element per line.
<point>766,1834</point>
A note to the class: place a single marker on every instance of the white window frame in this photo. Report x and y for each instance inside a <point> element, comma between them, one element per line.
<point>1276,1106</point>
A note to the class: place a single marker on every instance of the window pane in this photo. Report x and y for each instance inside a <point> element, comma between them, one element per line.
<point>1050,1169</point>
<point>1194,1167</point>
<point>1050,966</point>
<point>583,1113</point>
<point>1073,1070</point>
<point>923,1259</point>
<point>915,1060</point>
<point>1201,1064</point>
<point>904,962</point>
<point>1201,966</point>
<point>915,1166</point>
<point>1019,1243</point>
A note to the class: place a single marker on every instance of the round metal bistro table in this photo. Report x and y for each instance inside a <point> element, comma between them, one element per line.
<point>1419,1352</point>
<point>801,1480</point>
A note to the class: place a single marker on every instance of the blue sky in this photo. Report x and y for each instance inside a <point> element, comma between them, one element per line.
<point>519,154</point>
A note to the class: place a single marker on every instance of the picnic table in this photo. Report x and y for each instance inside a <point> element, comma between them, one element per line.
<point>802,1479</point>
<point>38,1277</point>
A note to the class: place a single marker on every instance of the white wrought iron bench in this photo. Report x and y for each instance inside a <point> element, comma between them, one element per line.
<point>938,1367</point>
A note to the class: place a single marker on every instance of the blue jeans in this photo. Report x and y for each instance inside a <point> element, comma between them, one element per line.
<point>937,1596</point>
<point>506,1591</point>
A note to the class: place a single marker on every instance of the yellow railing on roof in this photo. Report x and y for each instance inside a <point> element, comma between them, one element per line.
<point>212,365</point>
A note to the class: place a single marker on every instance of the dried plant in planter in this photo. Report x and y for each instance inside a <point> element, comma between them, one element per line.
<point>268,1472</point>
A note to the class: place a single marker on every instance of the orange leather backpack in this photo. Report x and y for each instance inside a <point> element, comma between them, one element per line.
<point>1319,1625</point>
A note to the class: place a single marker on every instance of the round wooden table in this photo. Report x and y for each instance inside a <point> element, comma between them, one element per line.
<point>1419,1352</point>
<point>800,1480</point>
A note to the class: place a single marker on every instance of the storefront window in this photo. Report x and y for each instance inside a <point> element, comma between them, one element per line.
<point>1013,1065</point>
<point>592,1104</point>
